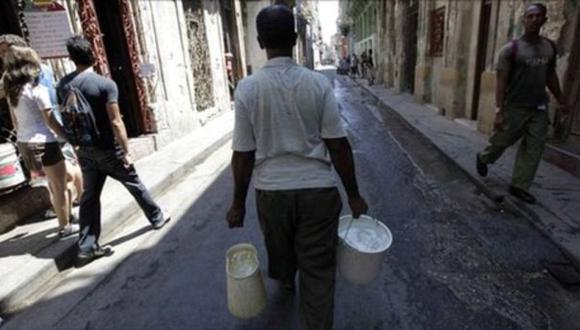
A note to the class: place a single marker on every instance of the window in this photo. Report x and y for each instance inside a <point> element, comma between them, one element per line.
<point>436,31</point>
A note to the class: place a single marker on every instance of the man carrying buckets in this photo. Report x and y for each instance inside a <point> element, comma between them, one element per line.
<point>288,131</point>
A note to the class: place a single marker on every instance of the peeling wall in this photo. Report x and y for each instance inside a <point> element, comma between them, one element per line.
<point>172,87</point>
<point>217,53</point>
<point>256,57</point>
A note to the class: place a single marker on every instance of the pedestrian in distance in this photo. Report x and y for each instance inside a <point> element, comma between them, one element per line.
<point>526,66</point>
<point>354,66</point>
<point>370,68</point>
<point>363,64</point>
<point>289,134</point>
<point>101,155</point>
<point>37,127</point>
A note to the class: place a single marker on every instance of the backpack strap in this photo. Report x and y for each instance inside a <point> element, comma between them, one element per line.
<point>82,98</point>
<point>554,48</point>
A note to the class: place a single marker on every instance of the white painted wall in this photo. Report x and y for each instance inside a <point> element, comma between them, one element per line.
<point>214,32</point>
<point>166,40</point>
<point>166,44</point>
<point>255,56</point>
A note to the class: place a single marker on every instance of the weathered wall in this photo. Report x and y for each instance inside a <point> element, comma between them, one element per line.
<point>172,88</point>
<point>448,81</point>
<point>172,96</point>
<point>255,56</point>
<point>452,88</point>
<point>217,58</point>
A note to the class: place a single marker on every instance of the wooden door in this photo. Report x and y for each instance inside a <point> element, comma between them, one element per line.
<point>483,36</point>
<point>410,61</point>
<point>120,65</point>
<point>570,127</point>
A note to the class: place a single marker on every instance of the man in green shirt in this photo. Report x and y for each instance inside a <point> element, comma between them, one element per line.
<point>525,67</point>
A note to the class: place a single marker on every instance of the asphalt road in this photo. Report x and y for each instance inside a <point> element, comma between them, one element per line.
<point>457,260</point>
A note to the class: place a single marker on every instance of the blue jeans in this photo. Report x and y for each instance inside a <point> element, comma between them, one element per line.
<point>96,165</point>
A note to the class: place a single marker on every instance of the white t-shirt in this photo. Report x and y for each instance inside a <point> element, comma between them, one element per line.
<point>283,111</point>
<point>31,127</point>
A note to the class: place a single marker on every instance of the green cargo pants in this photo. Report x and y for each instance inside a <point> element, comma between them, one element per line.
<point>300,229</point>
<point>531,125</point>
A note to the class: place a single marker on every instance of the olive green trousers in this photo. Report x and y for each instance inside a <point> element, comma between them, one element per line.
<point>529,124</point>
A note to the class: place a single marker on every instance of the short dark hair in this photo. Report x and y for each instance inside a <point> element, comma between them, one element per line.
<point>80,51</point>
<point>275,26</point>
<point>540,6</point>
<point>13,40</point>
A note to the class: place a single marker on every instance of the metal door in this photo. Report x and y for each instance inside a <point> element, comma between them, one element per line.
<point>481,52</point>
<point>571,125</point>
<point>111,25</point>
<point>410,60</point>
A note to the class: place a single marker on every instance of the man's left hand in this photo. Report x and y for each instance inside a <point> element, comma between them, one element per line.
<point>358,206</point>
<point>235,217</point>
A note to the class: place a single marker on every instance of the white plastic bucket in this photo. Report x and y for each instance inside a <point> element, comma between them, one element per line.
<point>363,245</point>
<point>11,173</point>
<point>245,287</point>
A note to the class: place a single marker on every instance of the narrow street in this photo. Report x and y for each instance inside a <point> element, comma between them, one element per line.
<point>457,260</point>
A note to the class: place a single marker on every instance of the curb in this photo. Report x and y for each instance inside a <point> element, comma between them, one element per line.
<point>504,201</point>
<point>27,293</point>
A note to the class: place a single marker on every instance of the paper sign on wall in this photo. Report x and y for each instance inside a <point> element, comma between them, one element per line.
<point>49,28</point>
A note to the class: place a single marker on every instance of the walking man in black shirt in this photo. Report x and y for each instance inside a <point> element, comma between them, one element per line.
<point>110,155</point>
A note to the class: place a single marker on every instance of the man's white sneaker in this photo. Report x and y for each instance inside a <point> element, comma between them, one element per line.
<point>69,230</point>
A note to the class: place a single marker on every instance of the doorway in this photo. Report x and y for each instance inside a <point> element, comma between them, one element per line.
<point>571,127</point>
<point>482,39</point>
<point>111,25</point>
<point>410,59</point>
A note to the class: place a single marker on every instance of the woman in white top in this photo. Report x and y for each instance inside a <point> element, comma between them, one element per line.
<point>35,124</point>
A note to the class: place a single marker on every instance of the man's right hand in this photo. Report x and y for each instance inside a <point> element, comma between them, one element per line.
<point>498,122</point>
<point>235,217</point>
<point>127,159</point>
<point>358,206</point>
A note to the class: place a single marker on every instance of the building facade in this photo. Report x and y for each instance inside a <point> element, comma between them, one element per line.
<point>167,58</point>
<point>358,23</point>
<point>444,53</point>
<point>175,62</point>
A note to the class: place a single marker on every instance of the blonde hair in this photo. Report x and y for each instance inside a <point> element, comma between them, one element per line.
<point>22,66</point>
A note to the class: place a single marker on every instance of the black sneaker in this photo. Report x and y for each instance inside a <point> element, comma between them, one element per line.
<point>522,194</point>
<point>84,258</point>
<point>481,166</point>
<point>68,230</point>
<point>159,224</point>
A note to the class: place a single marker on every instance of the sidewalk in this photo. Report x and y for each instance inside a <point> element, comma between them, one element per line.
<point>32,256</point>
<point>557,212</point>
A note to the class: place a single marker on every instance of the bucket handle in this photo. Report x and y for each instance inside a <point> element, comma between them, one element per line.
<point>370,214</point>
